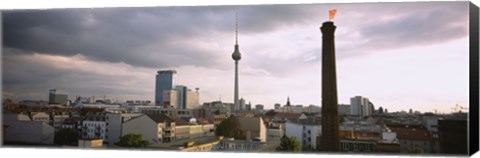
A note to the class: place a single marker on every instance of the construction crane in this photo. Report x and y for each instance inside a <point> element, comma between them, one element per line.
<point>459,108</point>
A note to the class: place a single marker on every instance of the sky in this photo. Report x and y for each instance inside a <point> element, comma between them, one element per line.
<point>399,55</point>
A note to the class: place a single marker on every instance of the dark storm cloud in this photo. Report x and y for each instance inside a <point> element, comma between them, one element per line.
<point>169,37</point>
<point>31,76</point>
<point>122,34</point>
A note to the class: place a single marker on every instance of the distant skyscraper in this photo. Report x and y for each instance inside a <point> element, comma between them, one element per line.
<point>186,98</point>
<point>193,99</point>
<point>164,81</point>
<point>242,104</point>
<point>330,123</point>
<point>277,106</point>
<point>259,108</point>
<point>236,56</point>
<point>360,106</point>
<point>248,106</point>
<point>56,96</point>
<point>182,96</point>
<point>170,98</point>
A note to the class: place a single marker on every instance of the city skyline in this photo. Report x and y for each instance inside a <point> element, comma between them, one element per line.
<point>380,53</point>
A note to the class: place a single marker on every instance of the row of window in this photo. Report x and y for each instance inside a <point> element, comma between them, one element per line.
<point>94,125</point>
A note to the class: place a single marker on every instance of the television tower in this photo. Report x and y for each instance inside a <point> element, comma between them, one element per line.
<point>236,57</point>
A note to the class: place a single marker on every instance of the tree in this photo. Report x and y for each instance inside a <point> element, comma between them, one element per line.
<point>416,149</point>
<point>288,144</point>
<point>270,113</point>
<point>380,110</point>
<point>230,128</point>
<point>132,140</point>
<point>66,136</point>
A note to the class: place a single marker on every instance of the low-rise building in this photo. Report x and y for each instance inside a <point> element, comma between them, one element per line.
<point>411,137</point>
<point>253,128</point>
<point>154,128</point>
<point>58,121</point>
<point>170,112</point>
<point>229,144</point>
<point>305,130</point>
<point>41,116</point>
<point>90,143</point>
<point>114,122</point>
<point>27,132</point>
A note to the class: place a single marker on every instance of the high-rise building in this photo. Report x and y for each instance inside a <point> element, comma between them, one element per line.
<point>277,106</point>
<point>56,96</point>
<point>248,106</point>
<point>164,80</point>
<point>259,108</point>
<point>360,106</point>
<point>170,98</point>
<point>330,122</point>
<point>241,105</point>
<point>236,56</point>
<point>183,98</point>
<point>193,100</point>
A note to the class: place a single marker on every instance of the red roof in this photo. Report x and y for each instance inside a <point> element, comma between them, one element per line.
<point>408,133</point>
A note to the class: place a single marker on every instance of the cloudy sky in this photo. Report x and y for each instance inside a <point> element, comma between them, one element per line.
<point>399,55</point>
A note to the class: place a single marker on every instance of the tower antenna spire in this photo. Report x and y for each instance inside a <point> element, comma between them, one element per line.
<point>236,27</point>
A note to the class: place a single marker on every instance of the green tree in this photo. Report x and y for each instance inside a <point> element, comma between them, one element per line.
<point>288,144</point>
<point>270,113</point>
<point>229,128</point>
<point>66,136</point>
<point>380,110</point>
<point>416,149</point>
<point>132,140</point>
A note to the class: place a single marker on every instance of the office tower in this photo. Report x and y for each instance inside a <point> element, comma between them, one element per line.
<point>242,104</point>
<point>56,96</point>
<point>186,98</point>
<point>236,56</point>
<point>193,100</point>
<point>164,80</point>
<point>182,96</point>
<point>360,106</point>
<point>170,98</point>
<point>277,106</point>
<point>329,139</point>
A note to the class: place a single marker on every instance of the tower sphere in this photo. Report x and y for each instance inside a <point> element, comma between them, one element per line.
<point>236,54</point>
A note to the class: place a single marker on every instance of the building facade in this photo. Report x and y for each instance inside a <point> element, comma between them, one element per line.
<point>27,131</point>
<point>164,80</point>
<point>360,106</point>
<point>305,132</point>
<point>56,96</point>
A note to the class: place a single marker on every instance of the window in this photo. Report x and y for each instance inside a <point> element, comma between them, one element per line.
<point>308,131</point>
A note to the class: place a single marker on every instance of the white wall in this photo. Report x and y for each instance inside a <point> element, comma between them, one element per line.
<point>37,132</point>
<point>297,131</point>
<point>58,120</point>
<point>294,130</point>
<point>114,125</point>
<point>142,125</point>
<point>91,127</point>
